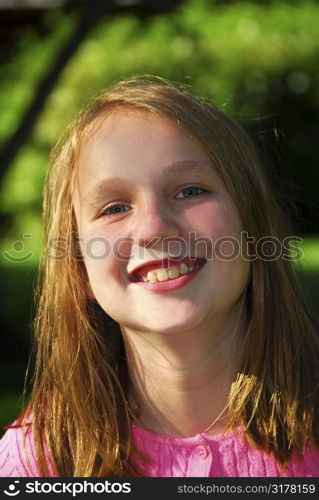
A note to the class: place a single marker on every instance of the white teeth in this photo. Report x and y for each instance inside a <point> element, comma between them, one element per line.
<point>162,275</point>
<point>173,272</point>
<point>168,274</point>
<point>183,269</point>
<point>151,276</point>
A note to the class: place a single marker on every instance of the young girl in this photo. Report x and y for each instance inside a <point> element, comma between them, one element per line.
<point>171,339</point>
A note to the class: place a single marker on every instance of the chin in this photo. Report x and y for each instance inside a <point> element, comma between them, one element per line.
<point>169,324</point>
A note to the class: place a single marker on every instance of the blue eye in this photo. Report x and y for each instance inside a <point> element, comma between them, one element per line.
<point>116,209</point>
<point>190,192</point>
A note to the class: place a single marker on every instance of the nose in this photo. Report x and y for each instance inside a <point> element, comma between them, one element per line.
<point>155,221</point>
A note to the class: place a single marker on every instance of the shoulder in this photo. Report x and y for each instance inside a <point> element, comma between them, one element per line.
<point>308,464</point>
<point>17,453</point>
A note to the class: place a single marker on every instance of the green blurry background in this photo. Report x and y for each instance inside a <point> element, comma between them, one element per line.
<point>258,61</point>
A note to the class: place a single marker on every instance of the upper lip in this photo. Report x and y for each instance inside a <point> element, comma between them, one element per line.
<point>160,263</point>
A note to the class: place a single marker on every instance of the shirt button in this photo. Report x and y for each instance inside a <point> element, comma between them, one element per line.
<point>201,452</point>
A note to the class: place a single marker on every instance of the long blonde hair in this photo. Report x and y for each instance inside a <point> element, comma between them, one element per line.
<point>80,389</point>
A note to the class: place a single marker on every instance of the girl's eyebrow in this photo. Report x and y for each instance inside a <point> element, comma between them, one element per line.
<point>198,167</point>
<point>98,192</point>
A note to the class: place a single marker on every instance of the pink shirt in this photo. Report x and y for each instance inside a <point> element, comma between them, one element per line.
<point>198,456</point>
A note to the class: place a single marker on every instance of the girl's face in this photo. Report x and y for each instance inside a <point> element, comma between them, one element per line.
<point>151,211</point>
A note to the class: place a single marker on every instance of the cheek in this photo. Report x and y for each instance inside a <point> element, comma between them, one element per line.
<point>106,263</point>
<point>102,244</point>
<point>215,221</point>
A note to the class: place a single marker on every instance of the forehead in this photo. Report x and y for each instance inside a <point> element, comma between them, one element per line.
<point>127,140</point>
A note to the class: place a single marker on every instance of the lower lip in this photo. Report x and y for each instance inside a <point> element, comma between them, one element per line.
<point>166,286</point>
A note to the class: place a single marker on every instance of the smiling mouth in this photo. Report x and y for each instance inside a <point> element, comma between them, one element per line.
<point>166,270</point>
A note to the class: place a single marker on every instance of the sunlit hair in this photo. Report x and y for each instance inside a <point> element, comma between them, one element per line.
<point>80,391</point>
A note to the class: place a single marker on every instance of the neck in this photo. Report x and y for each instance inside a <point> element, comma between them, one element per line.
<point>181,381</point>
